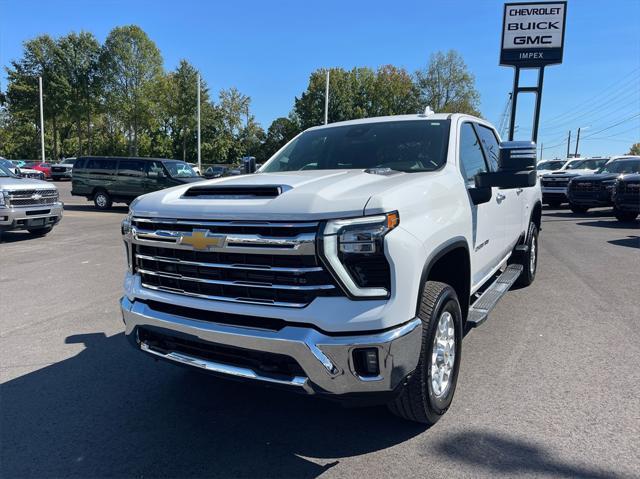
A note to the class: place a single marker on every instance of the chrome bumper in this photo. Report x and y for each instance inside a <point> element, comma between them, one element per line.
<point>18,217</point>
<point>327,361</point>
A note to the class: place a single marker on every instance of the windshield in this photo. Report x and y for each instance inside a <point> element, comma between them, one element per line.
<point>621,166</point>
<point>179,169</point>
<point>410,146</point>
<point>574,165</point>
<point>550,165</point>
<point>4,171</point>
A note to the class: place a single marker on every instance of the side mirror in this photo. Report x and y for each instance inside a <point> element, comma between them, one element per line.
<point>480,195</point>
<point>516,167</point>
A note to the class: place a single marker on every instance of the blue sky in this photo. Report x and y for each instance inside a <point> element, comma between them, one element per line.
<point>267,49</point>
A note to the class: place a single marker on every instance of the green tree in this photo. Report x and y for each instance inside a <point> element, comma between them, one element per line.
<point>635,149</point>
<point>78,57</point>
<point>447,86</point>
<point>131,68</point>
<point>40,59</point>
<point>279,133</point>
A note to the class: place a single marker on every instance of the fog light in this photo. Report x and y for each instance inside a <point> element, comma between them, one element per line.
<point>365,362</point>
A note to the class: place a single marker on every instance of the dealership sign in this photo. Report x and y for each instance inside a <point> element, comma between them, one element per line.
<point>533,34</point>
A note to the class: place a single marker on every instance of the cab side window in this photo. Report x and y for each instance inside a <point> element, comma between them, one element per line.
<point>131,168</point>
<point>155,169</point>
<point>472,159</point>
<point>490,144</point>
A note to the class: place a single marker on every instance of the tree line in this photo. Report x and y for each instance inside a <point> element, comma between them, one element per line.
<point>116,98</point>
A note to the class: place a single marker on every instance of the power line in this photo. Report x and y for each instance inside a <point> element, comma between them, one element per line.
<point>612,126</point>
<point>605,92</point>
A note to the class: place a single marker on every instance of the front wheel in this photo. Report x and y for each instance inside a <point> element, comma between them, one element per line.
<point>624,216</point>
<point>427,394</point>
<point>578,209</point>
<point>528,259</point>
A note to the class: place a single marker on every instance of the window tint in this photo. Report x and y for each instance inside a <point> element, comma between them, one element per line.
<point>490,144</point>
<point>410,146</point>
<point>78,164</point>
<point>471,157</point>
<point>131,168</point>
<point>102,166</point>
<point>155,167</point>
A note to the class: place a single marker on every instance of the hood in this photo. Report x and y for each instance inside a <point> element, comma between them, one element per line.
<point>599,176</point>
<point>13,184</point>
<point>303,195</point>
<point>577,172</point>
<point>188,179</point>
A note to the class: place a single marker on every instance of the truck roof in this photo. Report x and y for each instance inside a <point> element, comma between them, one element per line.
<point>381,119</point>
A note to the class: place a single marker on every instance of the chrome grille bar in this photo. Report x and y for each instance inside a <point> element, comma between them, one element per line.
<point>250,284</point>
<point>250,267</point>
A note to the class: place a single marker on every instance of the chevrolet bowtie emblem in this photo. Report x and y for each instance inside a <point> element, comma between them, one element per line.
<point>201,240</point>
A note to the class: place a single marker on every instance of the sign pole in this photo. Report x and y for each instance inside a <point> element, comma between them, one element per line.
<point>199,158</point>
<point>536,114</point>
<point>514,103</point>
<point>41,120</point>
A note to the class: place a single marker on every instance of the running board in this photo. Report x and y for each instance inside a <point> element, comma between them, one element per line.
<point>479,311</point>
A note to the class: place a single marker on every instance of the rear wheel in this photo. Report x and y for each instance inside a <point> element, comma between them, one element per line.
<point>427,394</point>
<point>578,209</point>
<point>102,200</point>
<point>40,231</point>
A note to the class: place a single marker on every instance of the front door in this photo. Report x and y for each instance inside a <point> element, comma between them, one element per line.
<point>512,205</point>
<point>488,222</point>
<point>130,178</point>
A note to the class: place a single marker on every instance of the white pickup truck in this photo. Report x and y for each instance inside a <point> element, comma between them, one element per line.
<point>348,266</point>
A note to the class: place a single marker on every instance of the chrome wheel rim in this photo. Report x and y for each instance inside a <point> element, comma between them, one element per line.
<point>443,355</point>
<point>532,256</point>
<point>101,200</point>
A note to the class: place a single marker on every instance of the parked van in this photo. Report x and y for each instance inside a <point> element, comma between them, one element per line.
<point>106,180</point>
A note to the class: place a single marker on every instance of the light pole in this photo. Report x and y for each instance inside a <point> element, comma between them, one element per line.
<point>41,120</point>
<point>326,100</point>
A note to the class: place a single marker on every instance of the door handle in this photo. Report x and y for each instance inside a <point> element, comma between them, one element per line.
<point>519,190</point>
<point>500,197</point>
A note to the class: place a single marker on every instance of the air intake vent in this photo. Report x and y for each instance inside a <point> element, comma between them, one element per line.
<point>234,192</point>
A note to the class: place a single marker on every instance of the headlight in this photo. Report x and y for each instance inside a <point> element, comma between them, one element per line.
<point>354,251</point>
<point>609,184</point>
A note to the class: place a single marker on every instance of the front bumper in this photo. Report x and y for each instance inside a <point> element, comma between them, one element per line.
<point>591,199</point>
<point>41,216</point>
<point>326,360</point>
<point>551,194</point>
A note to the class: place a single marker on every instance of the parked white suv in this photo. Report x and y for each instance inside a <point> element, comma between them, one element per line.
<point>348,266</point>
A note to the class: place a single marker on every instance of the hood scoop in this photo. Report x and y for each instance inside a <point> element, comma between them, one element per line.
<point>382,171</point>
<point>234,192</point>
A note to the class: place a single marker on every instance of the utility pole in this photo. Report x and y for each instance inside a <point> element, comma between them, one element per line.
<point>575,155</point>
<point>541,149</point>
<point>568,143</point>
<point>199,158</point>
<point>326,100</point>
<point>41,120</point>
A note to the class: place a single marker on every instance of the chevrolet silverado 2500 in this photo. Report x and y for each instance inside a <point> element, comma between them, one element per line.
<point>348,266</point>
<point>27,204</point>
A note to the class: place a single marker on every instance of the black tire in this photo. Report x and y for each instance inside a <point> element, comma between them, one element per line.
<point>102,200</point>
<point>40,231</point>
<point>625,216</point>
<point>416,400</point>
<point>578,209</point>
<point>528,259</point>
<point>554,204</point>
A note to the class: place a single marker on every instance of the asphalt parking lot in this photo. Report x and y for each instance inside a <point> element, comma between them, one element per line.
<point>549,386</point>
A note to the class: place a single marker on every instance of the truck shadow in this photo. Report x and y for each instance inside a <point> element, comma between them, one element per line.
<point>629,241</point>
<point>110,411</point>
<point>494,453</point>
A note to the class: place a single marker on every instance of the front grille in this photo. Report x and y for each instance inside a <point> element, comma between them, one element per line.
<point>25,198</point>
<point>629,189</point>
<point>58,169</point>
<point>263,263</point>
<point>585,186</point>
<point>562,183</point>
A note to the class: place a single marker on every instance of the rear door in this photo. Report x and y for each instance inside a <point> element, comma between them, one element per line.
<point>488,218</point>
<point>130,178</point>
<point>513,203</point>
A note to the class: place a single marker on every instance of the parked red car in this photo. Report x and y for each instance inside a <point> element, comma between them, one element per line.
<point>44,167</point>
